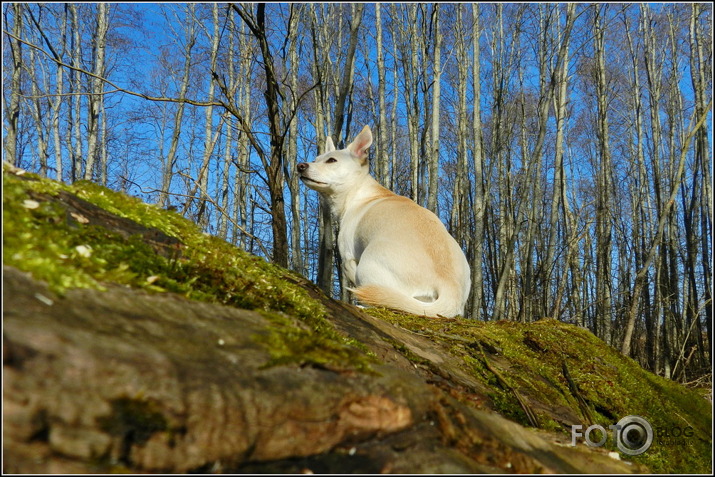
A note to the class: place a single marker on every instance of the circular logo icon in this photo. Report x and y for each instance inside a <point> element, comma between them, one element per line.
<point>634,435</point>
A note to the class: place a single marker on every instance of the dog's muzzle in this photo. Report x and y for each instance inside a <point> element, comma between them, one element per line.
<point>302,170</point>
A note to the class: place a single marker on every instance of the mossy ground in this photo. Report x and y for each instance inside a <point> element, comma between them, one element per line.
<point>531,356</point>
<point>38,238</point>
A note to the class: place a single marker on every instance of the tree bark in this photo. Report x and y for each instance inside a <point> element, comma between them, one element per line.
<point>12,108</point>
<point>656,242</point>
<point>604,187</point>
<point>432,192</point>
<point>479,198</point>
<point>381,149</point>
<point>169,161</point>
<point>553,302</point>
<point>274,162</point>
<point>96,97</point>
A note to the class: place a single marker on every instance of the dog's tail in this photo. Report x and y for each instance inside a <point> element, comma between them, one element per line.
<point>446,305</point>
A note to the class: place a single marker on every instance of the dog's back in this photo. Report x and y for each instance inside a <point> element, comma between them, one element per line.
<point>405,257</point>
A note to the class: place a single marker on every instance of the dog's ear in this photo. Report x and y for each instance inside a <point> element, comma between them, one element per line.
<point>329,146</point>
<point>360,144</point>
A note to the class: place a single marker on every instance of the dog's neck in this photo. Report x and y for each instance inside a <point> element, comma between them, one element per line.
<point>367,190</point>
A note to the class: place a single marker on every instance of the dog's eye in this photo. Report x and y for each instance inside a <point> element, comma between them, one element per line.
<point>331,160</point>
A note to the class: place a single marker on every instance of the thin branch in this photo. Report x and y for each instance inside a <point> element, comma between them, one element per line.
<point>118,89</point>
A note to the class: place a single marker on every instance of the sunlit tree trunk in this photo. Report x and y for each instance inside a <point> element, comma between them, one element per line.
<point>96,98</point>
<point>12,107</point>
<point>433,159</point>
<point>665,205</point>
<point>641,203</point>
<point>228,151</point>
<point>699,67</point>
<point>170,159</point>
<point>74,134</point>
<point>604,187</point>
<point>59,99</point>
<point>296,256</point>
<point>460,192</point>
<point>553,301</point>
<point>210,139</point>
<point>38,114</point>
<point>348,70</point>
<point>242,202</point>
<point>383,160</point>
<point>479,199</point>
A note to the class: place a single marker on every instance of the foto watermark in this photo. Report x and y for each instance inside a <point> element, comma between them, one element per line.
<point>633,434</point>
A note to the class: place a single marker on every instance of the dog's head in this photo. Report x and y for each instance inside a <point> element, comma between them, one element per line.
<point>336,171</point>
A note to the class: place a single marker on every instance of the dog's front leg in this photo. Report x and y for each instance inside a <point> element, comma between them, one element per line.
<point>350,270</point>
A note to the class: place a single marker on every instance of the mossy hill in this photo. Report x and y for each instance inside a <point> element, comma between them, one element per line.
<point>545,376</point>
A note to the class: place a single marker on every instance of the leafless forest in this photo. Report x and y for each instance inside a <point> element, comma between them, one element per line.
<point>566,146</point>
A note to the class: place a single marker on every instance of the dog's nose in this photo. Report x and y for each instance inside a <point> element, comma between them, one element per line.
<point>302,166</point>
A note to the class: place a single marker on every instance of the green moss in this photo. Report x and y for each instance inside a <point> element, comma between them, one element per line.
<point>531,356</point>
<point>289,342</point>
<point>39,239</point>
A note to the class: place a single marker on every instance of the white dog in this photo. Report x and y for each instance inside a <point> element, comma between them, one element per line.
<point>398,254</point>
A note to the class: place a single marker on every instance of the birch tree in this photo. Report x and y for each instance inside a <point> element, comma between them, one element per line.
<point>382,156</point>
<point>559,197</point>
<point>460,190</point>
<point>479,198</point>
<point>74,135</point>
<point>700,65</point>
<point>96,97</point>
<point>210,132</point>
<point>436,93</point>
<point>296,260</point>
<point>170,160</point>
<point>12,107</point>
<point>604,185</point>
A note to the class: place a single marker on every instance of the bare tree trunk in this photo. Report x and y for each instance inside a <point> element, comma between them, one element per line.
<point>559,191</point>
<point>296,261</point>
<point>503,266</point>
<point>12,108</point>
<point>382,156</point>
<point>209,139</point>
<point>274,163</point>
<point>458,215</point>
<point>38,114</point>
<point>531,187</point>
<point>102,146</point>
<point>228,148</point>
<point>96,98</point>
<point>393,120</point>
<point>433,158</point>
<point>170,160</point>
<point>57,102</point>
<point>604,187</point>
<point>326,234</point>
<point>478,240</point>
<point>698,69</point>
<point>405,37</point>
<point>656,242</point>
<point>56,107</point>
<point>640,205</point>
<point>242,185</point>
<point>76,88</point>
<point>348,69</point>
